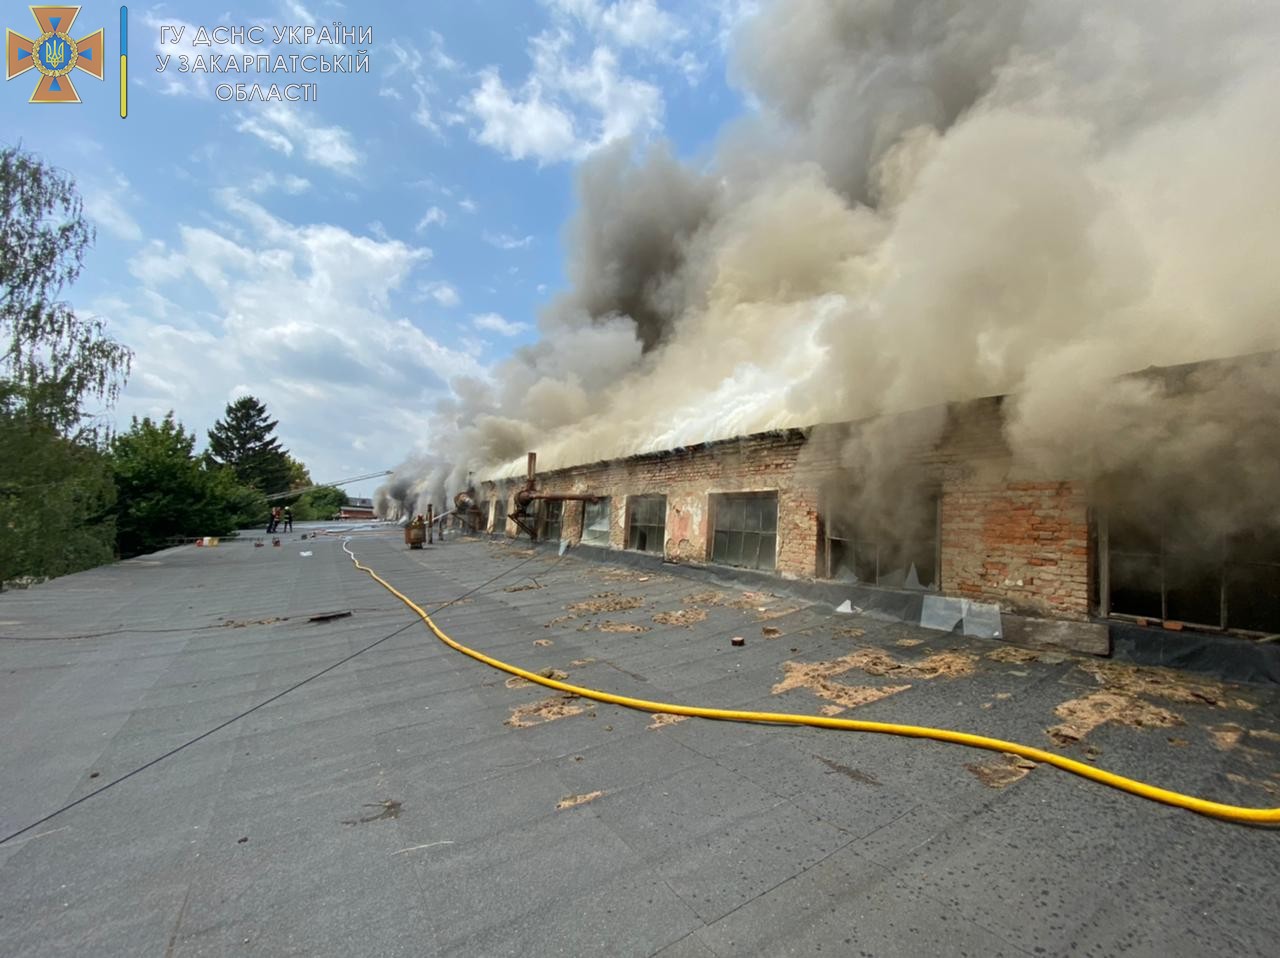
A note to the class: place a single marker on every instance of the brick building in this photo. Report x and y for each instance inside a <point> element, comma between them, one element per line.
<point>954,518</point>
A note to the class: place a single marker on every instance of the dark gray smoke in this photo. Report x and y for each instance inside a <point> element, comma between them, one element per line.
<point>930,201</point>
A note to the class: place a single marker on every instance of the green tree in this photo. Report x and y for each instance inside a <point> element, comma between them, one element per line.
<point>55,489</point>
<point>56,498</point>
<point>242,440</point>
<point>54,360</point>
<point>299,475</point>
<point>321,503</point>
<point>163,490</point>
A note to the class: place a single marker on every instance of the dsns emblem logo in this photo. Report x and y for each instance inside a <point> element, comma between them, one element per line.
<point>54,55</point>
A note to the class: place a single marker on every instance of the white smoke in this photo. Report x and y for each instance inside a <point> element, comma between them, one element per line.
<point>932,201</point>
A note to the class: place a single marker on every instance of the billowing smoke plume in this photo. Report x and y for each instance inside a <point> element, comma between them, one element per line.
<point>934,201</point>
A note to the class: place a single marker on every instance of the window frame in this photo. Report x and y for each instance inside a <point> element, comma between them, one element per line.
<point>736,508</point>
<point>595,540</point>
<point>877,544</point>
<point>550,518</point>
<point>1222,564</point>
<point>647,499</point>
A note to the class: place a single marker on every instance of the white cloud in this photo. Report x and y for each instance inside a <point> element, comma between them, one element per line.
<point>564,109</point>
<point>443,293</point>
<point>468,204</point>
<point>507,241</point>
<point>629,23</point>
<point>432,217</point>
<point>102,204</point>
<point>439,59</point>
<point>409,70</point>
<point>306,317</point>
<point>495,323</point>
<point>524,125</point>
<point>299,12</point>
<point>269,182</point>
<point>170,81</point>
<point>642,27</point>
<point>284,129</point>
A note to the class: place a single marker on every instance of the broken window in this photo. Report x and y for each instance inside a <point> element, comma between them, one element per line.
<point>595,522</point>
<point>646,523</point>
<point>897,549</point>
<point>499,516</point>
<point>551,512</point>
<point>1170,569</point>
<point>746,530</point>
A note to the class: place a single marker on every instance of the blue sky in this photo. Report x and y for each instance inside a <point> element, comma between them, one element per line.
<point>343,259</point>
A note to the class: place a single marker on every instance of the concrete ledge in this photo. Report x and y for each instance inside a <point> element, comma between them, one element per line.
<point>1227,657</point>
<point>1092,638</point>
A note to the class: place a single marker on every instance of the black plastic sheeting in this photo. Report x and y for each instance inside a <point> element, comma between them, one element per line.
<point>1226,657</point>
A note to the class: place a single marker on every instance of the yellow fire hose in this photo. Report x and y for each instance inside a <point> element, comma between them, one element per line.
<point>1232,813</point>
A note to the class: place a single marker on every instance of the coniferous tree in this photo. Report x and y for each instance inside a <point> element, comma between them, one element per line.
<point>243,440</point>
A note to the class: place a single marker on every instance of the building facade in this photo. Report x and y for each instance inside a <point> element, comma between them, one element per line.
<point>950,515</point>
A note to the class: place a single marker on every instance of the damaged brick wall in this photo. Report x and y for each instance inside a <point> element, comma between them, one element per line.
<point>688,477</point>
<point>1006,539</point>
<point>1022,544</point>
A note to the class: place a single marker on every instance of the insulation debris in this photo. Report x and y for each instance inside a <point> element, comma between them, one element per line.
<point>604,602</point>
<point>681,617</point>
<point>821,685</point>
<point>949,664</point>
<point>704,598</point>
<point>851,633</point>
<point>629,575</point>
<point>625,627</point>
<point>1226,737</point>
<point>765,613</point>
<point>663,719</point>
<point>526,587</point>
<point>1005,770</point>
<point>544,710</point>
<point>542,643</point>
<point>1168,684</point>
<point>1014,655</point>
<point>756,602</point>
<point>1081,716</point>
<point>817,676</point>
<point>769,632</point>
<point>573,801</point>
<point>518,682</point>
<point>901,643</point>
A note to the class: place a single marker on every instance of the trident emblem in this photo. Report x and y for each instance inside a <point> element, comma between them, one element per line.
<point>54,53</point>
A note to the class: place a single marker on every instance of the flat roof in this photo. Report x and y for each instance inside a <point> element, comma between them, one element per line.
<point>412,800</point>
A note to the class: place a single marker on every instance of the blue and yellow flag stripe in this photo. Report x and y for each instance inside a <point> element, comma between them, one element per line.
<point>124,62</point>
